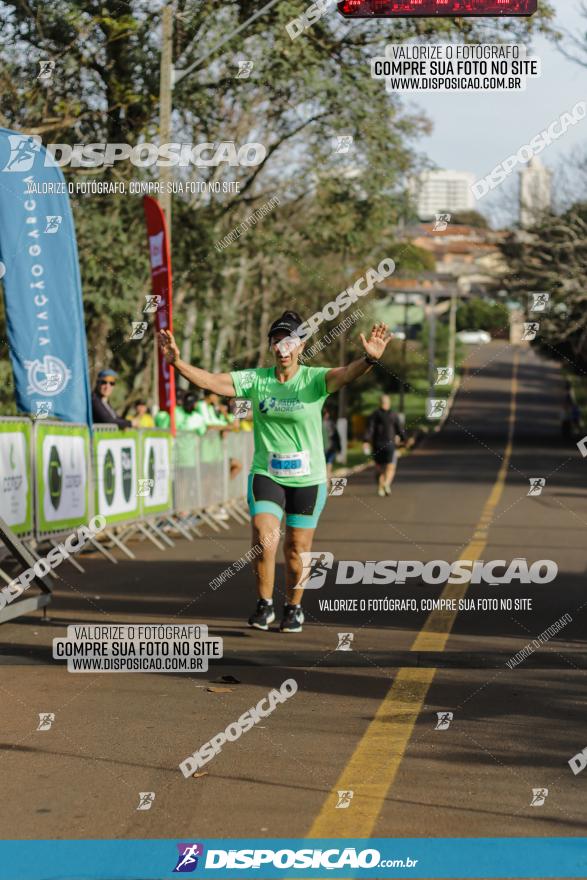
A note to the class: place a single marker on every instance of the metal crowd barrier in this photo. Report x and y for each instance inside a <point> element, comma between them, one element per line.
<point>202,477</point>
<point>55,477</point>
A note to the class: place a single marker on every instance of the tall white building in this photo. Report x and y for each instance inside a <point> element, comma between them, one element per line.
<point>535,192</point>
<point>443,191</point>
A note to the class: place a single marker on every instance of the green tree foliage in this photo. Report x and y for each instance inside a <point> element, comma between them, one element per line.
<point>552,258</point>
<point>480,314</point>
<point>337,211</point>
<point>470,218</point>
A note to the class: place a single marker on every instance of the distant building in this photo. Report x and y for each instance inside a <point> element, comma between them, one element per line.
<point>470,255</point>
<point>443,191</point>
<point>535,192</point>
<point>469,263</point>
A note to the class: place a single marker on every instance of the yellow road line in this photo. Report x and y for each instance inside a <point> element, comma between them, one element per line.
<point>375,762</point>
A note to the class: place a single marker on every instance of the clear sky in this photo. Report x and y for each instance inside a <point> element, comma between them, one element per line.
<point>476,131</point>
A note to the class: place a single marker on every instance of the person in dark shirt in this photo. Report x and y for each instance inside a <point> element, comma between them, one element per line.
<point>102,412</point>
<point>331,437</point>
<point>383,427</point>
<point>571,417</point>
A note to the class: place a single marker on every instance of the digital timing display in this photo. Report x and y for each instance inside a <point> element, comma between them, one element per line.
<point>396,8</point>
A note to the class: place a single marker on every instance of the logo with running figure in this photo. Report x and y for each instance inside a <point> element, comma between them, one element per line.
<point>344,799</point>
<point>146,799</point>
<point>187,860</point>
<point>539,796</point>
<point>345,641</point>
<point>337,485</point>
<point>444,719</point>
<point>53,224</point>
<point>23,150</point>
<point>46,719</point>
<point>539,302</point>
<point>315,568</point>
<point>531,329</point>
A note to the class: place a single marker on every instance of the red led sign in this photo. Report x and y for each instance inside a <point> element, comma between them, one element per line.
<point>397,8</point>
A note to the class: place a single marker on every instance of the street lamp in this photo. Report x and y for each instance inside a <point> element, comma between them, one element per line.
<point>403,377</point>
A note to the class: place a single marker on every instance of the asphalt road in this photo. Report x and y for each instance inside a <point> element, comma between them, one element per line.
<point>362,720</point>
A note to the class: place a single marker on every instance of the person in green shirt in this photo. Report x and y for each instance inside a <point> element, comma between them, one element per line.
<point>162,419</point>
<point>288,473</point>
<point>188,418</point>
<point>208,409</point>
<point>188,421</point>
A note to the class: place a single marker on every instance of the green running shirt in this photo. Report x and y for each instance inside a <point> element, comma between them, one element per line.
<point>287,423</point>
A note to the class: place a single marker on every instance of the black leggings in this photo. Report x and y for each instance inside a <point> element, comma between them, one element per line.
<point>302,504</point>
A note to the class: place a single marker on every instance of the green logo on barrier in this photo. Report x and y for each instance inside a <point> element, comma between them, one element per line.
<point>54,477</point>
<point>126,459</point>
<point>109,477</point>
<point>151,471</point>
<point>11,460</point>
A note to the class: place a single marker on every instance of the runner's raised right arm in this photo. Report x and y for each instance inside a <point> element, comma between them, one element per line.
<point>219,383</point>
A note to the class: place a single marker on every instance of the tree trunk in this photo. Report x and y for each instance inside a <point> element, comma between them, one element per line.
<point>207,340</point>
<point>98,349</point>
<point>266,290</point>
<point>232,315</point>
<point>186,341</point>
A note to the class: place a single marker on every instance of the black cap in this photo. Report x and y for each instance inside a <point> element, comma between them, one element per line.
<point>289,321</point>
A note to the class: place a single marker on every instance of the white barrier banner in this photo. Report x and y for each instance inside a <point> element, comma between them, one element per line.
<point>155,482</point>
<point>14,484</point>
<point>63,460</point>
<point>117,475</point>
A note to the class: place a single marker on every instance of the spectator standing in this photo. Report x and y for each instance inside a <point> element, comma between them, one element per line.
<point>162,418</point>
<point>188,418</point>
<point>102,411</point>
<point>209,409</point>
<point>218,418</point>
<point>143,418</point>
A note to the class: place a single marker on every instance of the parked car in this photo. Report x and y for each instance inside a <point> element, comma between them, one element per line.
<point>474,337</point>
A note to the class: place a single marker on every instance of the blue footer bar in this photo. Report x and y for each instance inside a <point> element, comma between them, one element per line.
<point>287,858</point>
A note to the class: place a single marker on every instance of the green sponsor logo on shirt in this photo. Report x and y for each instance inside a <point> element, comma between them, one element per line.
<point>272,404</point>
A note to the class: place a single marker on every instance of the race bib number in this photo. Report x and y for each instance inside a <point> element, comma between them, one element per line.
<point>289,464</point>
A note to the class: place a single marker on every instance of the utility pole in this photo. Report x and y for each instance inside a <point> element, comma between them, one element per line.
<point>431,343</point>
<point>404,377</point>
<point>452,328</point>
<point>342,395</point>
<point>165,103</point>
<point>342,420</point>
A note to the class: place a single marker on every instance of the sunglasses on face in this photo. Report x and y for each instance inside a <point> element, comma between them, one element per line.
<point>107,382</point>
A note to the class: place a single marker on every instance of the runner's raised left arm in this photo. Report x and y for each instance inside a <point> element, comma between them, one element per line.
<point>374,348</point>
